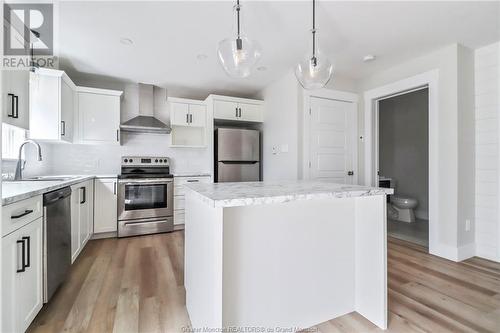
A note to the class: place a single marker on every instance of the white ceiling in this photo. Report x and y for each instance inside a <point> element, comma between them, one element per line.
<point>168,36</point>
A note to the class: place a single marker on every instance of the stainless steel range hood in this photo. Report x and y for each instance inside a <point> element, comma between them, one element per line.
<point>146,122</point>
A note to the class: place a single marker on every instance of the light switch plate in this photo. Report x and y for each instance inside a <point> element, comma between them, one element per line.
<point>284,148</point>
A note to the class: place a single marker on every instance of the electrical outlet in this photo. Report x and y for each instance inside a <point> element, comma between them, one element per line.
<point>467,225</point>
<point>274,150</point>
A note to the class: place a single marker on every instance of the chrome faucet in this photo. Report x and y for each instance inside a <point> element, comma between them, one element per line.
<point>20,164</point>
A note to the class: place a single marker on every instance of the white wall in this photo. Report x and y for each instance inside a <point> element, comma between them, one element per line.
<point>280,129</point>
<point>456,201</point>
<point>487,109</point>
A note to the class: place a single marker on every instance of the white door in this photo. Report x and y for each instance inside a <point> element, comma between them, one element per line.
<point>179,114</point>
<point>250,112</point>
<point>67,111</point>
<point>225,110</point>
<point>331,140</point>
<point>100,117</point>
<point>75,221</point>
<point>198,115</point>
<point>105,208</point>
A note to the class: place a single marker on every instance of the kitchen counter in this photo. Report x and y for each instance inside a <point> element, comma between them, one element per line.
<point>192,174</point>
<point>13,191</point>
<point>256,193</point>
<point>287,254</point>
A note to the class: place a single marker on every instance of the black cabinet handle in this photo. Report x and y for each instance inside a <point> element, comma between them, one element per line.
<point>26,212</point>
<point>16,98</point>
<point>240,113</point>
<point>236,112</point>
<point>114,188</point>
<point>191,118</point>
<point>63,128</point>
<point>118,135</point>
<point>192,180</point>
<point>84,195</point>
<point>23,263</point>
<point>12,113</point>
<point>187,118</point>
<point>27,239</point>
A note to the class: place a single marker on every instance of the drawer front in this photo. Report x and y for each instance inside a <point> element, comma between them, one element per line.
<point>179,202</point>
<point>178,217</point>
<point>188,180</point>
<point>20,213</point>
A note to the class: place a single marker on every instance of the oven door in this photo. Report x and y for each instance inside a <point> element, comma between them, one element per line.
<point>144,198</point>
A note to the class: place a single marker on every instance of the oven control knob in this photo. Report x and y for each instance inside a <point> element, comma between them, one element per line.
<point>156,161</point>
<point>161,161</point>
<point>125,160</point>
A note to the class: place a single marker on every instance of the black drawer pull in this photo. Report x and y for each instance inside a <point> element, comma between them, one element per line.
<point>23,263</point>
<point>26,212</point>
<point>27,239</point>
<point>192,180</point>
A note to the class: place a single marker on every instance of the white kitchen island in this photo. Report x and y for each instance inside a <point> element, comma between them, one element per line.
<point>284,255</point>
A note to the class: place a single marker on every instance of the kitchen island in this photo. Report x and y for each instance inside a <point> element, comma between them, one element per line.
<point>284,255</point>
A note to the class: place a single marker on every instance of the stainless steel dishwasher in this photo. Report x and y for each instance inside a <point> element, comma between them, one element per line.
<point>56,239</point>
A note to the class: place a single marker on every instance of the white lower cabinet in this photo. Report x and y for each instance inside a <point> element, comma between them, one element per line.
<point>82,207</point>
<point>22,284</point>
<point>179,200</point>
<point>105,207</point>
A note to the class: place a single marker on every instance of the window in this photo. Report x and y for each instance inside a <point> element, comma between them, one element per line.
<point>12,138</point>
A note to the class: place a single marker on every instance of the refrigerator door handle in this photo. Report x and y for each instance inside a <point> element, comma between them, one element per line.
<point>239,162</point>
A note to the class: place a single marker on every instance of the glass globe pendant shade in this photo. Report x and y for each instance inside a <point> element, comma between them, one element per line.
<point>314,72</point>
<point>238,56</point>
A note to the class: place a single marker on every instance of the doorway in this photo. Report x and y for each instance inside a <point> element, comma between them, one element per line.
<point>403,163</point>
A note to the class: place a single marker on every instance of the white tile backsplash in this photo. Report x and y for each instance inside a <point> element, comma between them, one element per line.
<point>105,159</point>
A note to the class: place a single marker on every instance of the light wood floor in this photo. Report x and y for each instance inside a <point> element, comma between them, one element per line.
<point>136,285</point>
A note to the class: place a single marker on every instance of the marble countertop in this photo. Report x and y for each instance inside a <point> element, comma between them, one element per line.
<point>13,191</point>
<point>192,174</point>
<point>257,193</point>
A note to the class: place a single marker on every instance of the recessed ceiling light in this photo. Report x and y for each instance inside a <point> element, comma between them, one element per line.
<point>126,41</point>
<point>262,68</point>
<point>202,57</point>
<point>369,57</point>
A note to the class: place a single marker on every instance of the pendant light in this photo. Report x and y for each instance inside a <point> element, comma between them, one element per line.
<point>314,71</point>
<point>238,54</point>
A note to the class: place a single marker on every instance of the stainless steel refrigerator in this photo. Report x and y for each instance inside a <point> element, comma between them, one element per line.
<point>237,155</point>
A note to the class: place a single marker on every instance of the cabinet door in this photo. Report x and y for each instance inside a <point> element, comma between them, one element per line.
<point>45,123</point>
<point>105,209</point>
<point>85,212</point>
<point>99,117</point>
<point>29,283</point>
<point>67,111</point>
<point>198,115</point>
<point>250,112</point>
<point>179,114</point>
<point>225,110</point>
<point>16,98</point>
<point>22,296</point>
<point>75,221</point>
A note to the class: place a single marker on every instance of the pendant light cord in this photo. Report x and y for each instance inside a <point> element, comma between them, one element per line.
<point>314,28</point>
<point>238,16</point>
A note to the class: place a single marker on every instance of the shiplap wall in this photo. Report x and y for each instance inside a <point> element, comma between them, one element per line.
<point>487,91</point>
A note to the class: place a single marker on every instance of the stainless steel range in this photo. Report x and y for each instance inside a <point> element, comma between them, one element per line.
<point>145,196</point>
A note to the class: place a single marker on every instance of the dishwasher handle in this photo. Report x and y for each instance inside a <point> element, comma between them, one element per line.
<point>54,196</point>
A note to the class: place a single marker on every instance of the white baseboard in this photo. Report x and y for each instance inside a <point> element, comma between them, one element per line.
<point>454,253</point>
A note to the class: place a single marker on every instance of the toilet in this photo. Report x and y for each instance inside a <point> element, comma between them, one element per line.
<point>403,206</point>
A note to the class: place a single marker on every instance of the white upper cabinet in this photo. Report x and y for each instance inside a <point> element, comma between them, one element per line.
<point>98,115</point>
<point>236,109</point>
<point>15,87</point>
<point>51,106</point>
<point>188,119</point>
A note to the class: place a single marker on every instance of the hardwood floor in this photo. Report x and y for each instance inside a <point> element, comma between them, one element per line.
<point>136,285</point>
